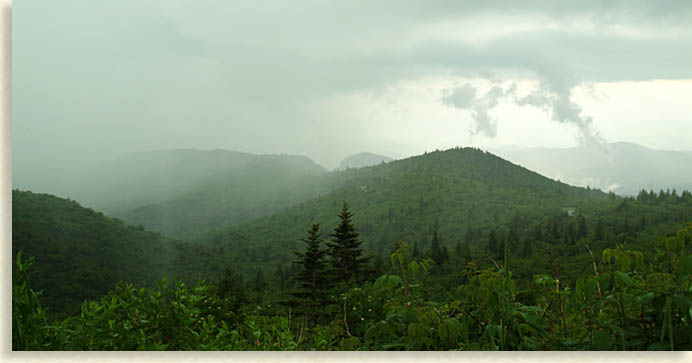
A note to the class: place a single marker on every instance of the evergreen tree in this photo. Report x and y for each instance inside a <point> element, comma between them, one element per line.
<point>345,251</point>
<point>570,233</point>
<point>435,250</point>
<point>259,283</point>
<point>526,247</point>
<point>444,254</point>
<point>626,226</point>
<point>599,233</point>
<point>538,233</point>
<point>642,224</point>
<point>415,253</point>
<point>581,228</point>
<point>231,289</point>
<point>313,280</point>
<point>282,277</point>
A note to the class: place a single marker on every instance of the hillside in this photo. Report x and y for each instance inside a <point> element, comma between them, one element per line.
<point>407,199</point>
<point>624,168</point>
<point>363,159</point>
<point>184,192</point>
<point>465,195</point>
<point>81,254</point>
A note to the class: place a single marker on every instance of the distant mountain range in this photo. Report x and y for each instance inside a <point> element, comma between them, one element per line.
<point>189,193</point>
<point>450,191</point>
<point>184,192</point>
<point>250,212</point>
<point>363,159</point>
<point>623,168</point>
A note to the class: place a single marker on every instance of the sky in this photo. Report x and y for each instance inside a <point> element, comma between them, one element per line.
<point>96,79</point>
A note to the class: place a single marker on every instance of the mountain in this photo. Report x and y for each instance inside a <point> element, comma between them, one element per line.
<point>462,194</point>
<point>184,192</point>
<point>621,167</point>
<point>80,254</point>
<point>407,199</point>
<point>362,160</point>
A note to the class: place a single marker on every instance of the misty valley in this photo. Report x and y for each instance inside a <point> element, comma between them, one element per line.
<point>458,249</point>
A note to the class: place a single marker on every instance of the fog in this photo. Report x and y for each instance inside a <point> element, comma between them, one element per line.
<point>95,80</point>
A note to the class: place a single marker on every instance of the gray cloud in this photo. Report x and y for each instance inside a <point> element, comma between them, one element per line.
<point>464,97</point>
<point>90,82</point>
<point>558,101</point>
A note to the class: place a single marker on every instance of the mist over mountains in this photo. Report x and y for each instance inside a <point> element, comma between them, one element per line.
<point>363,159</point>
<point>625,168</point>
<point>185,193</point>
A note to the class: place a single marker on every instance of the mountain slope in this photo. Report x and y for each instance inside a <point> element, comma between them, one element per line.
<point>80,254</point>
<point>363,159</point>
<point>185,192</point>
<point>623,168</point>
<point>407,199</point>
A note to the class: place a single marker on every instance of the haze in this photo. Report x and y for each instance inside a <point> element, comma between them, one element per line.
<point>94,80</point>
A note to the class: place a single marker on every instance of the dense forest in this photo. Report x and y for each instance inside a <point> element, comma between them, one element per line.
<point>451,250</point>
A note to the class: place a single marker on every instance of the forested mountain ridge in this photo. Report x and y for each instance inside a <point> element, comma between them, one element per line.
<point>81,254</point>
<point>453,191</point>
<point>467,216</point>
<point>184,192</point>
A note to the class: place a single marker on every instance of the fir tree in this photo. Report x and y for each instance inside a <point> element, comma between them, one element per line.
<point>538,233</point>
<point>313,280</point>
<point>282,277</point>
<point>445,254</point>
<point>345,251</point>
<point>570,233</point>
<point>415,253</point>
<point>232,290</point>
<point>435,250</point>
<point>581,229</point>
<point>642,224</point>
<point>599,232</point>
<point>259,283</point>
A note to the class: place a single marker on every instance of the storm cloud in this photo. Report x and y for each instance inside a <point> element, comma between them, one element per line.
<point>95,81</point>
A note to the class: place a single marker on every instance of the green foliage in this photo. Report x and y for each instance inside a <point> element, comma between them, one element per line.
<point>643,307</point>
<point>632,292</point>
<point>314,283</point>
<point>81,254</point>
<point>345,251</point>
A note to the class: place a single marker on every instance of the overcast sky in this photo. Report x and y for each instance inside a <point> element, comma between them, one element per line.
<point>94,79</point>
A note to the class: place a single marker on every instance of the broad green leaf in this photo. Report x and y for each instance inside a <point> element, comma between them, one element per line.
<point>604,280</point>
<point>682,302</point>
<point>623,278</point>
<point>388,282</point>
<point>684,266</point>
